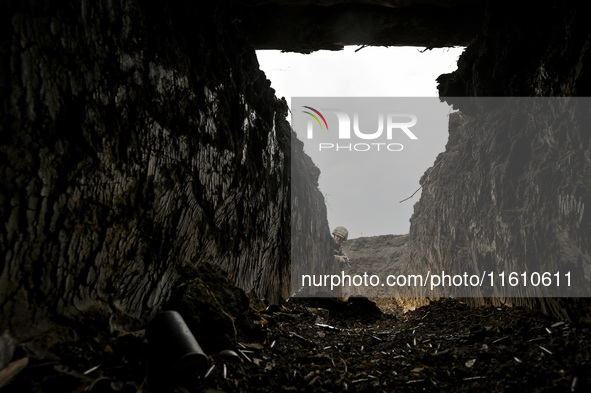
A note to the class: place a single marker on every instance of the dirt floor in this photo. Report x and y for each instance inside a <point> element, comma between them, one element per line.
<point>325,345</point>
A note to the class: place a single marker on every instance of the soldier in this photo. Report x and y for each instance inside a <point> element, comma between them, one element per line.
<point>340,234</point>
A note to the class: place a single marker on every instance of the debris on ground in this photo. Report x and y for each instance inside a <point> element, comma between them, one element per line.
<point>330,345</point>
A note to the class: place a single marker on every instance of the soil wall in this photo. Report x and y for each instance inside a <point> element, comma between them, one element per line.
<point>512,191</point>
<point>136,139</point>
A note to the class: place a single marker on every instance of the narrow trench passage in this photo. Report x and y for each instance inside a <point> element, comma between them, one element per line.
<point>143,143</point>
<point>323,345</point>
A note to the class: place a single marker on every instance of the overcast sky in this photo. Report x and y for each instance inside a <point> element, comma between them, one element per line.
<point>368,208</point>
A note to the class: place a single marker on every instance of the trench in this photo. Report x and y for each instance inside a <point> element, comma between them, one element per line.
<point>146,167</point>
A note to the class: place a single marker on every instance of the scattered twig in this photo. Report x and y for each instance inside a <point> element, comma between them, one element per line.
<point>500,339</point>
<point>546,350</point>
<point>430,170</point>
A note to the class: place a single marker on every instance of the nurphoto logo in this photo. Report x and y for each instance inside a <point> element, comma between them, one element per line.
<point>389,126</point>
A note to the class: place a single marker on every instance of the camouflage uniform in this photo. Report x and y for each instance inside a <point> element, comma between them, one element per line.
<point>339,264</point>
<point>338,252</point>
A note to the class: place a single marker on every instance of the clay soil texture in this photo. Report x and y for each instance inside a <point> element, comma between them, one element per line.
<point>330,345</point>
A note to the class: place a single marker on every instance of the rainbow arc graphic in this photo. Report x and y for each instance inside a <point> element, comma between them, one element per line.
<point>316,117</point>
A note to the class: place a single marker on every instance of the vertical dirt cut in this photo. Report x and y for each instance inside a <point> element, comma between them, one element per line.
<point>512,191</point>
<point>136,139</point>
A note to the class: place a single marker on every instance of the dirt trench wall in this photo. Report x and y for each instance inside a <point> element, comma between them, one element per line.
<point>135,139</point>
<point>514,192</point>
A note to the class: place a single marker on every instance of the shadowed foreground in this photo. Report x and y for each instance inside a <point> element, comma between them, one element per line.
<point>321,345</point>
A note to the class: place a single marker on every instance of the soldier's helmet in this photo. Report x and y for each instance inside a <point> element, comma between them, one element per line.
<point>342,232</point>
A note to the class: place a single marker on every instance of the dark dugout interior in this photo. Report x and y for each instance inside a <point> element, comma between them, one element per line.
<point>147,165</point>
